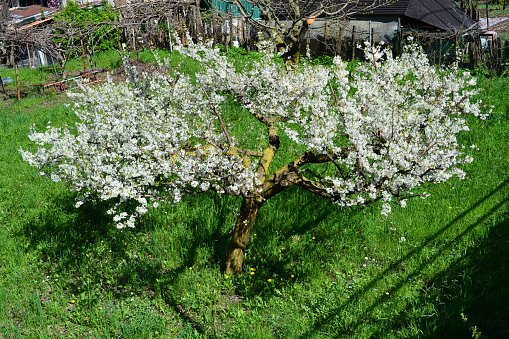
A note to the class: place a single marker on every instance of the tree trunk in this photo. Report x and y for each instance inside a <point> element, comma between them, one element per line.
<point>292,55</point>
<point>243,226</point>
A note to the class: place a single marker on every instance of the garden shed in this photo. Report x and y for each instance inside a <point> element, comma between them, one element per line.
<point>438,24</point>
<point>382,22</point>
<point>375,21</point>
<point>18,46</point>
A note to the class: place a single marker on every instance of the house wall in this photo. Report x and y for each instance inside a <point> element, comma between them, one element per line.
<point>382,28</point>
<point>33,58</point>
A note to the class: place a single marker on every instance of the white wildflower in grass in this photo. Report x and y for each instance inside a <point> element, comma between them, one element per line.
<point>379,133</point>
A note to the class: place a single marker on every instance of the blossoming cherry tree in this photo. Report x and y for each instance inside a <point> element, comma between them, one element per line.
<point>373,134</point>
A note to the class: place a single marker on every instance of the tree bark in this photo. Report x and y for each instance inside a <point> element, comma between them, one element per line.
<point>296,38</point>
<point>292,57</point>
<point>243,226</point>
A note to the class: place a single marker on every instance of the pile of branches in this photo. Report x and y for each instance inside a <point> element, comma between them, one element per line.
<point>145,23</point>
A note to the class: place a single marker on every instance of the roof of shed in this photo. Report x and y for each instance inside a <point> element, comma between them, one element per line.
<point>444,14</point>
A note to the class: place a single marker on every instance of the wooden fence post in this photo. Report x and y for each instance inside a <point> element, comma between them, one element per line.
<point>169,33</point>
<point>231,30</point>
<point>29,57</point>
<point>353,43</point>
<point>2,84</point>
<point>83,57</point>
<point>17,80</point>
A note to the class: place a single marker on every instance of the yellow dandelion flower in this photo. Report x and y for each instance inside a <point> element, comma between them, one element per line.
<point>100,307</point>
<point>226,276</point>
<point>269,280</point>
<point>252,273</point>
<point>292,276</point>
<point>73,301</point>
<point>190,268</point>
<point>313,238</point>
<point>253,269</point>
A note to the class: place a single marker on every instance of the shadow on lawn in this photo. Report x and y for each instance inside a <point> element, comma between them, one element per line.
<point>479,300</point>
<point>481,295</point>
<point>84,243</point>
<point>83,246</point>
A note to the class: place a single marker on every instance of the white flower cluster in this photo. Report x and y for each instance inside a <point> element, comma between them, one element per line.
<point>386,128</point>
<point>401,124</point>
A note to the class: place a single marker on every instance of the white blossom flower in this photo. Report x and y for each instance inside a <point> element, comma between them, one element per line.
<point>385,128</point>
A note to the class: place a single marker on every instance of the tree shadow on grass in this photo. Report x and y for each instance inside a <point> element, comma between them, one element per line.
<point>479,297</point>
<point>63,233</point>
<point>483,298</point>
<point>71,238</point>
<point>94,258</point>
<point>284,236</point>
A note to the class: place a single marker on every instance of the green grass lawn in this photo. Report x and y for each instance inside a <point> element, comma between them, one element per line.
<point>436,269</point>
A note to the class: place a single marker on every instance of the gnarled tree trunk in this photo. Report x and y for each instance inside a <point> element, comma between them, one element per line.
<point>243,226</point>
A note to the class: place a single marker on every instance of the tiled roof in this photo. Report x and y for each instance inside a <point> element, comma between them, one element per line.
<point>25,12</point>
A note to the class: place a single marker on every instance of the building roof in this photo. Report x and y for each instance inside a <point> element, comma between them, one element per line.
<point>30,15</point>
<point>28,11</point>
<point>444,14</point>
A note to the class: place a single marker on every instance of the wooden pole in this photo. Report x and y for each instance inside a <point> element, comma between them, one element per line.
<point>487,17</point>
<point>224,36</point>
<point>169,33</point>
<point>339,42</point>
<point>83,57</point>
<point>353,43</point>
<point>29,58</point>
<point>231,30</point>
<point>2,84</point>
<point>17,80</point>
<point>212,30</point>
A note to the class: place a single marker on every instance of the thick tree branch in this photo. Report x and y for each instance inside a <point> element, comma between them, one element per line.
<point>270,150</point>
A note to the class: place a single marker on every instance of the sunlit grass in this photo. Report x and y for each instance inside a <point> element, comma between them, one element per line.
<point>312,270</point>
